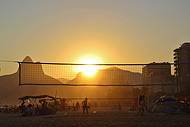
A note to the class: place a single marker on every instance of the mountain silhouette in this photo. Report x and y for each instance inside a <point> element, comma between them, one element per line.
<point>110,76</point>
<point>10,90</point>
<point>64,80</point>
<point>32,73</point>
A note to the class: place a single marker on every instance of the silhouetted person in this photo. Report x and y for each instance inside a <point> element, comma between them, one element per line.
<point>44,109</point>
<point>63,104</point>
<point>141,104</point>
<point>119,107</point>
<point>74,107</point>
<point>77,106</point>
<point>29,110</point>
<point>37,109</point>
<point>22,106</point>
<point>85,106</point>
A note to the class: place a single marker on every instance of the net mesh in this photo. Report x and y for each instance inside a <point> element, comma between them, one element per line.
<point>96,74</point>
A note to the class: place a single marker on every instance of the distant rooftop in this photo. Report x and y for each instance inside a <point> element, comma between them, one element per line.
<point>186,44</point>
<point>158,63</point>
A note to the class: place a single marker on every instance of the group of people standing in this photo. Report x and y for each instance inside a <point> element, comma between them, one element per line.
<point>85,106</point>
<point>142,107</point>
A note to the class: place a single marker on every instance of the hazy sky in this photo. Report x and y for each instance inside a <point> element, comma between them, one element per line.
<point>120,31</point>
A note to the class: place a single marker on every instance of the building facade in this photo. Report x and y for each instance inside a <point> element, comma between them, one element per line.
<point>182,68</point>
<point>158,75</point>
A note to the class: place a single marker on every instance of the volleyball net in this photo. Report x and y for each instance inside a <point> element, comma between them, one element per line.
<point>72,74</point>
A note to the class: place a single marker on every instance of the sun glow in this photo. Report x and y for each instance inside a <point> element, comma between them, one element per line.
<point>89,70</point>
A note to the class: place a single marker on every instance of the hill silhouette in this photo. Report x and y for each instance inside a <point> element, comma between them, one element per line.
<point>33,73</point>
<point>10,89</point>
<point>110,76</point>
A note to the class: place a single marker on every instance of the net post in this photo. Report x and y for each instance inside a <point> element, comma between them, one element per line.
<point>19,73</point>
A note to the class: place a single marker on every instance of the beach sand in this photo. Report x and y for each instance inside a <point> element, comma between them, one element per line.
<point>99,119</point>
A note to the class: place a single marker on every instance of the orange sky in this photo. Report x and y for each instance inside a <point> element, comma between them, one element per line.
<point>130,31</point>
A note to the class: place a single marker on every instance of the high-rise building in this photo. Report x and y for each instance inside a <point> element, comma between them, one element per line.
<point>182,68</point>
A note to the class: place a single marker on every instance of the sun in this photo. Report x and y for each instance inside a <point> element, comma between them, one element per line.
<point>89,69</point>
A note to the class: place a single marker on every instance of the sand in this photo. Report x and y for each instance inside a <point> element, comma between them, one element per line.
<point>100,119</point>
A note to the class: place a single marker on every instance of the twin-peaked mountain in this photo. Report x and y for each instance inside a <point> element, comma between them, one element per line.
<point>34,74</point>
<point>10,90</point>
